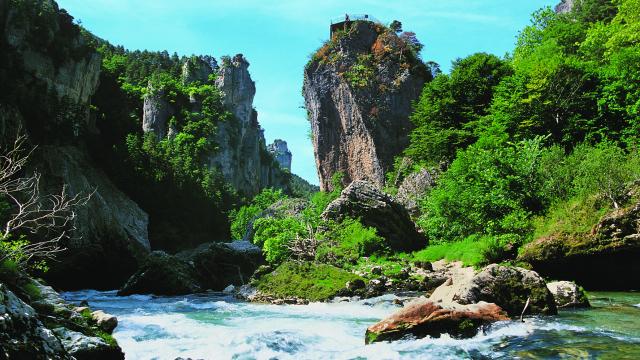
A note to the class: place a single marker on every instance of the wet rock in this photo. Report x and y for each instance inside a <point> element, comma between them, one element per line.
<point>423,317</point>
<point>509,288</point>
<point>162,274</point>
<point>568,294</point>
<point>106,322</point>
<point>362,200</point>
<point>83,347</point>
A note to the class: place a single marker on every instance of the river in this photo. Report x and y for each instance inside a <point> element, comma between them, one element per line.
<point>217,326</point>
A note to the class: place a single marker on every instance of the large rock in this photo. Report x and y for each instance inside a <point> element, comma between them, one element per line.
<point>509,288</point>
<point>362,200</point>
<point>22,335</point>
<point>156,112</point>
<point>223,264</point>
<point>568,294</point>
<point>110,238</point>
<point>162,274</point>
<point>565,6</point>
<point>413,188</point>
<point>358,91</point>
<point>604,259</point>
<point>50,328</point>
<point>211,266</point>
<point>423,317</point>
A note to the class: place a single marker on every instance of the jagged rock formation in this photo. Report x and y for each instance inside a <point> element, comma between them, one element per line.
<point>358,90</point>
<point>242,156</point>
<point>361,200</point>
<point>47,327</point>
<point>565,6</point>
<point>281,153</point>
<point>49,75</point>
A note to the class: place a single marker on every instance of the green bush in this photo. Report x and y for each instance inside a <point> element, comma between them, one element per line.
<point>240,218</point>
<point>348,241</point>
<point>275,235</point>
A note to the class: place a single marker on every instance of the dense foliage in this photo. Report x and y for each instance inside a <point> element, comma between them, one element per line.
<point>186,200</point>
<point>541,142</point>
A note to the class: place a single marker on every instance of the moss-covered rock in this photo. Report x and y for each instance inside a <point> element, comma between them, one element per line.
<point>603,259</point>
<point>307,280</point>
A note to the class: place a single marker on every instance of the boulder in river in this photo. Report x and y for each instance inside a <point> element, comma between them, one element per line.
<point>568,294</point>
<point>362,200</point>
<point>424,317</point>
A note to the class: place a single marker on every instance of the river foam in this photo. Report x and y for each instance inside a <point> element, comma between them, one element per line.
<point>217,326</point>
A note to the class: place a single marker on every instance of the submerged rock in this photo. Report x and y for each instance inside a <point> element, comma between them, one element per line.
<point>424,317</point>
<point>362,200</point>
<point>568,294</point>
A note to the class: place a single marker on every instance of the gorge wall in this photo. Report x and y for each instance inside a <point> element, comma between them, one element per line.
<point>242,155</point>
<point>358,90</point>
<point>48,75</point>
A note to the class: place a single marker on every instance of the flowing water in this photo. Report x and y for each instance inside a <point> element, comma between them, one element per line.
<point>217,326</point>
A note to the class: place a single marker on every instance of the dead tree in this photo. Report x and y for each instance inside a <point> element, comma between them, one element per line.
<point>48,217</point>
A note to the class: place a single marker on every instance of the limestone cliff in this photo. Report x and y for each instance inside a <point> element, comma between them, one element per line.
<point>565,6</point>
<point>241,155</point>
<point>48,75</point>
<point>358,91</point>
<point>281,153</point>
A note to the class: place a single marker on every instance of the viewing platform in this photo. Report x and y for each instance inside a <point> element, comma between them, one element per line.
<point>342,23</point>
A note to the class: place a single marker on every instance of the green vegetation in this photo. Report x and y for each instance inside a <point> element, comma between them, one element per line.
<point>347,242</point>
<point>362,72</point>
<point>538,144</point>
<point>312,281</point>
<point>241,217</point>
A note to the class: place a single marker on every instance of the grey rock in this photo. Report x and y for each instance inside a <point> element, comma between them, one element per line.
<point>565,6</point>
<point>83,347</point>
<point>509,288</point>
<point>111,234</point>
<point>362,200</point>
<point>156,113</point>
<point>281,153</point>
<point>22,335</point>
<point>568,294</point>
<point>413,188</point>
<point>359,129</point>
<point>197,69</point>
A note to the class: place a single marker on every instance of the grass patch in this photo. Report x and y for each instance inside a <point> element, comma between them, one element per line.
<point>576,216</point>
<point>312,281</point>
<point>472,251</point>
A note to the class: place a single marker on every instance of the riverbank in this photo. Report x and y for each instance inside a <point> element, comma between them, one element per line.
<point>200,325</point>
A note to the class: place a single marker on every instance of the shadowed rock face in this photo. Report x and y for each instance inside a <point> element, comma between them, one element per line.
<point>281,153</point>
<point>425,318</point>
<point>52,75</point>
<point>358,91</point>
<point>604,259</point>
<point>362,200</point>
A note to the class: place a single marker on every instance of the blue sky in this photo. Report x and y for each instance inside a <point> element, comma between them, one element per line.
<point>277,36</point>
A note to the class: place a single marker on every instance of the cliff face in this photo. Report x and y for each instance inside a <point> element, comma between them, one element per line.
<point>358,90</point>
<point>241,156</point>
<point>564,6</point>
<point>280,151</point>
<point>48,76</point>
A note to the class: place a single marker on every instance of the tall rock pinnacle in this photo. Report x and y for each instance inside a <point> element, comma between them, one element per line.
<point>358,91</point>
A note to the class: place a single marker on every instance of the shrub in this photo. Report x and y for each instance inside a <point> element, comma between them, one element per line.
<point>346,242</point>
<point>275,236</point>
<point>240,218</point>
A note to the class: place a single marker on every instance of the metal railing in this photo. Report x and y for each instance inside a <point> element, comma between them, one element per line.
<point>354,17</point>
